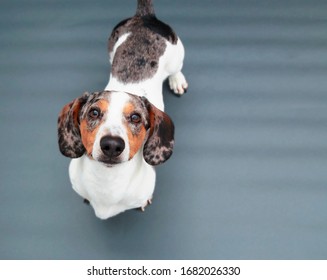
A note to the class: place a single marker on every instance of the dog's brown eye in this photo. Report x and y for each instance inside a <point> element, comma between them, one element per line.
<point>135,118</point>
<point>94,113</point>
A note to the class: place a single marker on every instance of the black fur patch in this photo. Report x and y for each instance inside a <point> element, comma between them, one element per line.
<point>159,27</point>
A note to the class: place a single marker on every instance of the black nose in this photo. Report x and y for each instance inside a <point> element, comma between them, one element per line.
<point>112,146</point>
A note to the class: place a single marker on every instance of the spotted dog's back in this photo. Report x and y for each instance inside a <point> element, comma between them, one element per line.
<point>144,51</point>
<point>137,58</point>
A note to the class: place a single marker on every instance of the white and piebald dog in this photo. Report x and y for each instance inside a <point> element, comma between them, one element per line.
<point>116,136</point>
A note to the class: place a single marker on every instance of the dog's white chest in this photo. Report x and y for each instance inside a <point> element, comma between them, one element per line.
<point>112,190</point>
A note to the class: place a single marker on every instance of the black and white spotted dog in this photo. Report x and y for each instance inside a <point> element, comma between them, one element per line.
<point>115,137</point>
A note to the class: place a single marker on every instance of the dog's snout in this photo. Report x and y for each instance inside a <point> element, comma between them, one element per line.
<point>112,146</point>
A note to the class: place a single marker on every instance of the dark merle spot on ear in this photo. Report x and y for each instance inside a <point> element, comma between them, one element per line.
<point>69,138</point>
<point>159,145</point>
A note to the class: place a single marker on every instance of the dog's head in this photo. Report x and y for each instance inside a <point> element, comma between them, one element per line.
<point>111,127</point>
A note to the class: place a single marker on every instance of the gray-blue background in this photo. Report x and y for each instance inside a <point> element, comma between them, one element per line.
<point>248,177</point>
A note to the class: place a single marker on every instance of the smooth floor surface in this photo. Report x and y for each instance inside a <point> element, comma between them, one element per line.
<point>248,178</point>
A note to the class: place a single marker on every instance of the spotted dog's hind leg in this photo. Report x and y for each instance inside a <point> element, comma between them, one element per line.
<point>174,65</point>
<point>177,83</point>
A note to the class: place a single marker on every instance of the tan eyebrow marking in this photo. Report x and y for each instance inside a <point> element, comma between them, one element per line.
<point>135,136</point>
<point>89,132</point>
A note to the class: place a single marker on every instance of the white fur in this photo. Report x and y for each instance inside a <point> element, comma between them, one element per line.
<point>113,125</point>
<point>121,40</point>
<point>112,190</point>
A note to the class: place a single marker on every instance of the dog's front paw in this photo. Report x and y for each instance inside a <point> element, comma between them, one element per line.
<point>177,83</point>
<point>148,202</point>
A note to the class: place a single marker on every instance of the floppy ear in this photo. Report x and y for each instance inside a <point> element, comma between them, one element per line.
<point>69,135</point>
<point>159,145</point>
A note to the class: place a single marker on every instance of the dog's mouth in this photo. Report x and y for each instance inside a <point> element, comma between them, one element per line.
<point>110,162</point>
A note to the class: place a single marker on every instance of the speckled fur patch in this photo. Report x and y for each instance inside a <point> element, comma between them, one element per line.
<point>93,98</point>
<point>137,58</point>
<point>160,143</point>
<point>144,7</point>
<point>69,136</point>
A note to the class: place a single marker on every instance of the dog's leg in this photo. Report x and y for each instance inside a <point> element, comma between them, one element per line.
<point>148,202</point>
<point>177,83</point>
<point>174,64</point>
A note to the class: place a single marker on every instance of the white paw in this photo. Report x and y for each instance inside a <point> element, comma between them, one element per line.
<point>148,202</point>
<point>177,83</point>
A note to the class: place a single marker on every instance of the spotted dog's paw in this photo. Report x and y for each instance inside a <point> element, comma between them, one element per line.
<point>178,83</point>
<point>149,202</point>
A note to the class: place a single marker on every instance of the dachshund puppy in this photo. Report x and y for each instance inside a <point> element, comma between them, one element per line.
<point>117,136</point>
